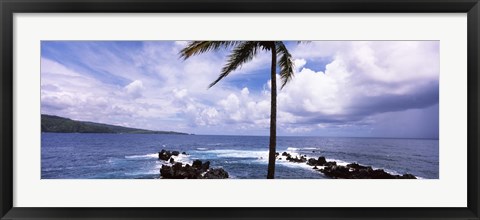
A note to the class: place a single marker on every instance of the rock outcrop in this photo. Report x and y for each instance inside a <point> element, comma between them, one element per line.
<point>165,155</point>
<point>296,159</point>
<point>317,162</point>
<point>350,171</point>
<point>197,170</point>
<point>217,173</point>
<point>356,171</point>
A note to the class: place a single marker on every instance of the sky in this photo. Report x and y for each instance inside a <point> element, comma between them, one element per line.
<point>340,88</point>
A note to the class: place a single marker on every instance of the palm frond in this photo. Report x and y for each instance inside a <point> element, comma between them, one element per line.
<point>266,45</point>
<point>198,47</point>
<point>241,54</point>
<point>285,62</point>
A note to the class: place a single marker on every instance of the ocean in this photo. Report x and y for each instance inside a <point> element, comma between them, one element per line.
<point>134,156</point>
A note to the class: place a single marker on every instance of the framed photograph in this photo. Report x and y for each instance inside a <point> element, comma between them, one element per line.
<point>231,109</point>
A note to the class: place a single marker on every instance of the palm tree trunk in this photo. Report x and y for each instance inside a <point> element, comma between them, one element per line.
<point>273,117</point>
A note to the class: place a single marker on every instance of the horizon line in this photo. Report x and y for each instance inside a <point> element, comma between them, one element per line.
<point>188,133</point>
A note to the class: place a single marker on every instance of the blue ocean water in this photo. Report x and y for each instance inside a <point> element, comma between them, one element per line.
<point>134,156</point>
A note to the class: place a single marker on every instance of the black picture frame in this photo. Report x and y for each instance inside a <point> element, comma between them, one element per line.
<point>9,7</point>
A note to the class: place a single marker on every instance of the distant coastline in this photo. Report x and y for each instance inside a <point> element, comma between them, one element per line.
<point>57,124</point>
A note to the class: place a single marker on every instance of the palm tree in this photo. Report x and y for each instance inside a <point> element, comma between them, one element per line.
<point>243,52</point>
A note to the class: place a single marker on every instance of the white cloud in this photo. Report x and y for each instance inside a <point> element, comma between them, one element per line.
<point>163,92</point>
<point>299,63</point>
<point>181,43</point>
<point>245,91</point>
<point>364,79</point>
<point>68,93</point>
<point>180,93</point>
<point>135,89</point>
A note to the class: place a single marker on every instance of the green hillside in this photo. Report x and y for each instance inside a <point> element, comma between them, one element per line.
<point>52,123</point>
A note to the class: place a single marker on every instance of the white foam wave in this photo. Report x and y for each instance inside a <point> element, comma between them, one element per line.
<point>145,156</point>
<point>300,148</point>
<point>339,162</point>
<point>144,172</point>
<point>344,163</point>
<point>294,165</point>
<point>182,158</point>
<point>240,153</point>
<point>202,148</point>
<point>282,160</point>
<point>393,172</point>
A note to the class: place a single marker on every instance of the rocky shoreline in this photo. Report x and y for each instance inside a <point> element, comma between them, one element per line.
<point>202,170</point>
<point>196,170</point>
<point>350,171</point>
